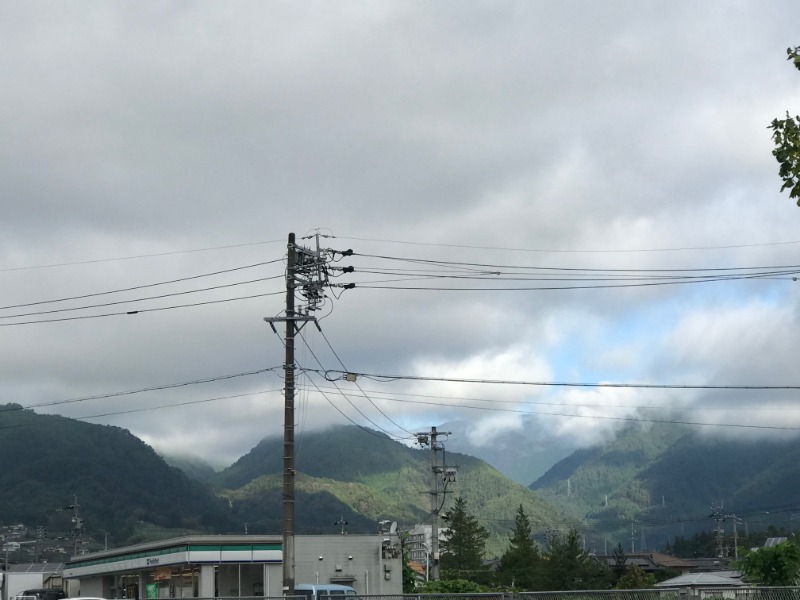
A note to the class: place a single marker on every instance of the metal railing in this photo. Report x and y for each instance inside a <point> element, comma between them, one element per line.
<point>726,593</point>
<point>746,593</point>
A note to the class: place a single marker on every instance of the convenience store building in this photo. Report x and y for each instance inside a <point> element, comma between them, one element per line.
<point>236,566</point>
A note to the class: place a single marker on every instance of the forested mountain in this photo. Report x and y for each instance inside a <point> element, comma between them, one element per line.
<point>351,471</point>
<point>659,482</point>
<point>666,480</point>
<point>123,487</point>
<point>125,490</point>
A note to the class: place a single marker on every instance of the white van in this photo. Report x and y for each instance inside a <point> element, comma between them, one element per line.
<point>323,591</point>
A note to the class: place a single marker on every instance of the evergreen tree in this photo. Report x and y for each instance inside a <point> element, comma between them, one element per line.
<point>463,547</point>
<point>569,566</point>
<point>620,559</point>
<point>518,566</point>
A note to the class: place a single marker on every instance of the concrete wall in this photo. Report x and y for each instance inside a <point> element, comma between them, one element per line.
<point>331,558</point>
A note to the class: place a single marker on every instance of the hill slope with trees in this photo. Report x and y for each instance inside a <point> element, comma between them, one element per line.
<point>666,478</point>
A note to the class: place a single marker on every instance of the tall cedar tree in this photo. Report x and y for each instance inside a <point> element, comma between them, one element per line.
<point>519,565</point>
<point>464,546</point>
<point>569,566</point>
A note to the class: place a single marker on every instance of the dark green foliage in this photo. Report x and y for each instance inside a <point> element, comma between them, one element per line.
<point>337,453</point>
<point>619,563</point>
<point>569,567</point>
<point>377,478</point>
<point>263,512</point>
<point>122,485</point>
<point>701,544</point>
<point>635,578</point>
<point>774,566</point>
<point>453,586</point>
<point>520,564</point>
<point>670,473</point>
<point>462,551</point>
<point>126,490</point>
<point>786,135</point>
<point>409,575</point>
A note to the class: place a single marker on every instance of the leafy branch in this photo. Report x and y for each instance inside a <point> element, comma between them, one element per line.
<point>786,135</point>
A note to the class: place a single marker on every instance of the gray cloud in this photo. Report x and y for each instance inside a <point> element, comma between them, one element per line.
<point>566,131</point>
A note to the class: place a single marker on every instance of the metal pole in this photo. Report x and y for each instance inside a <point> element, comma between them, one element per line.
<point>288,427</point>
<point>5,575</point>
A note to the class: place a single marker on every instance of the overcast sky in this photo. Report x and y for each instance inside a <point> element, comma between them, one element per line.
<point>146,142</point>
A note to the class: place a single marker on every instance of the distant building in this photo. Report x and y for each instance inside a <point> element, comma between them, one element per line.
<point>420,542</point>
<point>699,581</point>
<point>649,562</point>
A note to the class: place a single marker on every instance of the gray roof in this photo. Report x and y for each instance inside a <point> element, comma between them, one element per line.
<point>44,568</point>
<point>774,541</point>
<point>701,580</point>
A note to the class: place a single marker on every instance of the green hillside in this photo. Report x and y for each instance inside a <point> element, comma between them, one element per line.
<point>665,479</point>
<point>377,478</point>
<point>660,481</point>
<point>127,493</point>
<point>123,487</point>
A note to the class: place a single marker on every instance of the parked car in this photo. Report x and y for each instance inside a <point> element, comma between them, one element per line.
<point>323,591</point>
<point>42,594</point>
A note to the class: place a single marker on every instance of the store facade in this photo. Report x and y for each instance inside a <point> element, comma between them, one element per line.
<point>235,567</point>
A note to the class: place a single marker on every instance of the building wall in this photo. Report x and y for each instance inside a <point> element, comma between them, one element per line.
<point>19,582</point>
<point>356,560</point>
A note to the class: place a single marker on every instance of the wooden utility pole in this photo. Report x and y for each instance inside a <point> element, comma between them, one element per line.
<point>305,274</point>
<point>288,426</point>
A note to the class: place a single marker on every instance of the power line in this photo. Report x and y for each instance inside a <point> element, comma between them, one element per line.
<point>339,410</point>
<point>145,409</point>
<point>695,407</point>
<point>495,266</point>
<point>135,256</point>
<point>378,427</point>
<point>551,288</point>
<point>140,287</point>
<point>595,417</point>
<point>557,251</point>
<point>131,301</point>
<point>666,386</point>
<point>363,393</point>
<point>142,390</point>
<point>142,310</point>
<point>434,245</point>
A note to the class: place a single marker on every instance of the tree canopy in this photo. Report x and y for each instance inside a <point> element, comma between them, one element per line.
<point>786,135</point>
<point>463,548</point>
<point>519,565</point>
<point>570,567</point>
<point>772,566</point>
